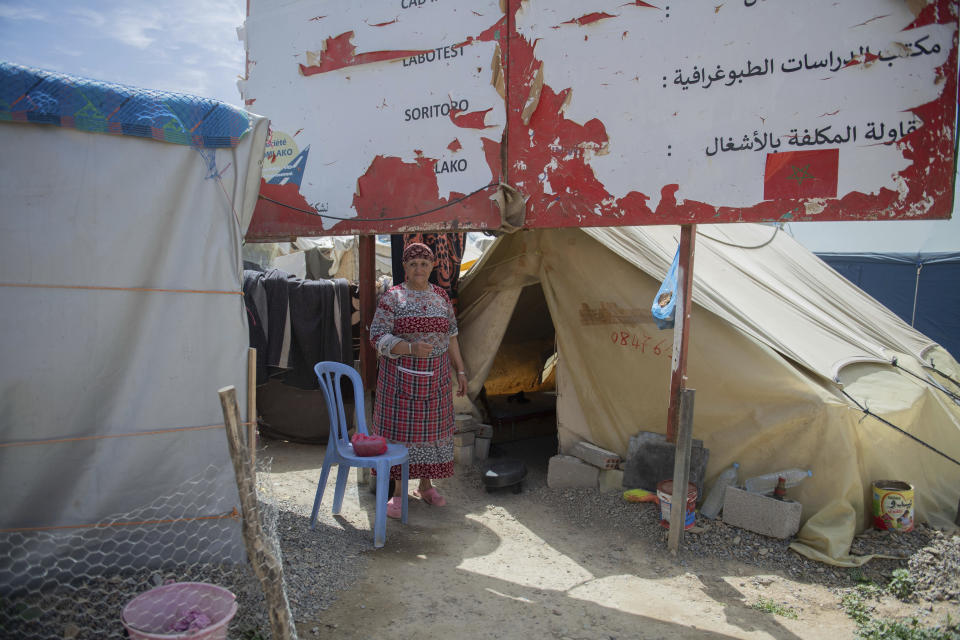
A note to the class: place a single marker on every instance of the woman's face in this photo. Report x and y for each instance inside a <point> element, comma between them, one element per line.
<point>418,271</point>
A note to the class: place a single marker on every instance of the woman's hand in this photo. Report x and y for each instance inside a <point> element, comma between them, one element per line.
<point>421,349</point>
<point>461,383</point>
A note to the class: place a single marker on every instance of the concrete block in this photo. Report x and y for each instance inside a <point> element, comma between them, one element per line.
<point>481,448</point>
<point>464,422</point>
<point>463,455</point>
<point>761,514</point>
<point>650,459</point>
<point>463,439</point>
<point>484,430</point>
<point>611,480</point>
<point>569,472</point>
<point>596,456</point>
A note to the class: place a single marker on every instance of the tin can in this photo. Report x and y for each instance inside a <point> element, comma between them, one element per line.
<point>893,505</point>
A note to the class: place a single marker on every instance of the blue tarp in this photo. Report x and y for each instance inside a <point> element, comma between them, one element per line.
<point>33,95</point>
<point>923,289</point>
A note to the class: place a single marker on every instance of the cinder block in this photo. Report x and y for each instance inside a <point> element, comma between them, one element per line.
<point>596,456</point>
<point>463,455</point>
<point>463,439</point>
<point>569,472</point>
<point>484,430</point>
<point>761,514</point>
<point>650,459</point>
<point>611,480</point>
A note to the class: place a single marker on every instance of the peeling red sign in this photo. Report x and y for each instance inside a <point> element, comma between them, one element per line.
<point>665,114</point>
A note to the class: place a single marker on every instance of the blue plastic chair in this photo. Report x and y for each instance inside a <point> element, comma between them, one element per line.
<point>340,451</point>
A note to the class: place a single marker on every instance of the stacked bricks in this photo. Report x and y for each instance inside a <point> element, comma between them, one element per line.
<point>566,472</point>
<point>587,466</point>
<point>761,514</point>
<point>463,439</point>
<point>600,458</point>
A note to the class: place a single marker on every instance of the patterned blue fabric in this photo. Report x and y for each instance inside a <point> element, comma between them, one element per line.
<point>33,95</point>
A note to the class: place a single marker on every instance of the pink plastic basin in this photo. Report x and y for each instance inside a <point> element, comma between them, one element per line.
<point>155,614</point>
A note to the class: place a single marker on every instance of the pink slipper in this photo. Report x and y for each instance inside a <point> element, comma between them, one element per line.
<point>395,507</point>
<point>430,496</point>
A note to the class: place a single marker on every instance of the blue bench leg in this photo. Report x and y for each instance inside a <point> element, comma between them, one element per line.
<point>343,472</point>
<point>320,487</point>
<point>404,478</point>
<point>380,520</point>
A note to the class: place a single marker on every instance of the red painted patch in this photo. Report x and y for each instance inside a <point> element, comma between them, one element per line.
<point>275,221</point>
<point>339,52</point>
<point>316,18</point>
<point>494,32</point>
<point>596,16</point>
<point>472,120</point>
<point>492,152</point>
<point>389,181</point>
<point>638,3</point>
<point>801,174</point>
<point>455,145</point>
<point>383,24</point>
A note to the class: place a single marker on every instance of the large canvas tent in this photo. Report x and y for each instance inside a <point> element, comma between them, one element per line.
<point>123,215</point>
<point>784,355</point>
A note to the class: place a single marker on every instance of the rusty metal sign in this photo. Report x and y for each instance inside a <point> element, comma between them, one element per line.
<point>433,114</point>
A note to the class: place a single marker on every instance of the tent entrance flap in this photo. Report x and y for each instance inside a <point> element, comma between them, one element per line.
<point>519,393</point>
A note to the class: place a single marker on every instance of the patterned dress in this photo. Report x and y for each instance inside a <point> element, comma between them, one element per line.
<point>414,400</point>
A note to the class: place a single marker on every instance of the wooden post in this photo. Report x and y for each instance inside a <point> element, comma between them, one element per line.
<point>368,301</point>
<point>252,405</point>
<point>265,564</point>
<point>681,471</point>
<point>681,326</point>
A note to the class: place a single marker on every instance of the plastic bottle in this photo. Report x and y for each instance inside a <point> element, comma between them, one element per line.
<point>766,483</point>
<point>714,501</point>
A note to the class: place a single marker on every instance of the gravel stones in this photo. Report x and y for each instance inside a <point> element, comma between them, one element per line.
<point>935,569</point>
<point>932,557</point>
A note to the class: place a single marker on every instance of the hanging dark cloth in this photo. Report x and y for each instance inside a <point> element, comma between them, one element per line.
<point>447,247</point>
<point>297,324</point>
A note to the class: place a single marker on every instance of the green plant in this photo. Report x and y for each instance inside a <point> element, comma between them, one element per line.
<point>770,606</point>
<point>909,630</point>
<point>857,575</point>
<point>855,601</point>
<point>856,604</point>
<point>901,584</point>
<point>252,634</point>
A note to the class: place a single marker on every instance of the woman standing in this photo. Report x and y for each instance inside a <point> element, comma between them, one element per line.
<point>414,331</point>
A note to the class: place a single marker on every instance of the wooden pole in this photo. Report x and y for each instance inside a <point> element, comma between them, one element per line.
<point>681,326</point>
<point>368,358</point>
<point>252,405</point>
<point>681,471</point>
<point>368,300</point>
<point>265,564</point>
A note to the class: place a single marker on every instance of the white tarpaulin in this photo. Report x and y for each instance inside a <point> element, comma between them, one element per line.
<point>122,316</point>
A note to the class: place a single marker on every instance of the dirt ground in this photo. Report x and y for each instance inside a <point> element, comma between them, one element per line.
<point>500,565</point>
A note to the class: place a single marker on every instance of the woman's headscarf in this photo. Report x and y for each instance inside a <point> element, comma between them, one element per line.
<point>416,250</point>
